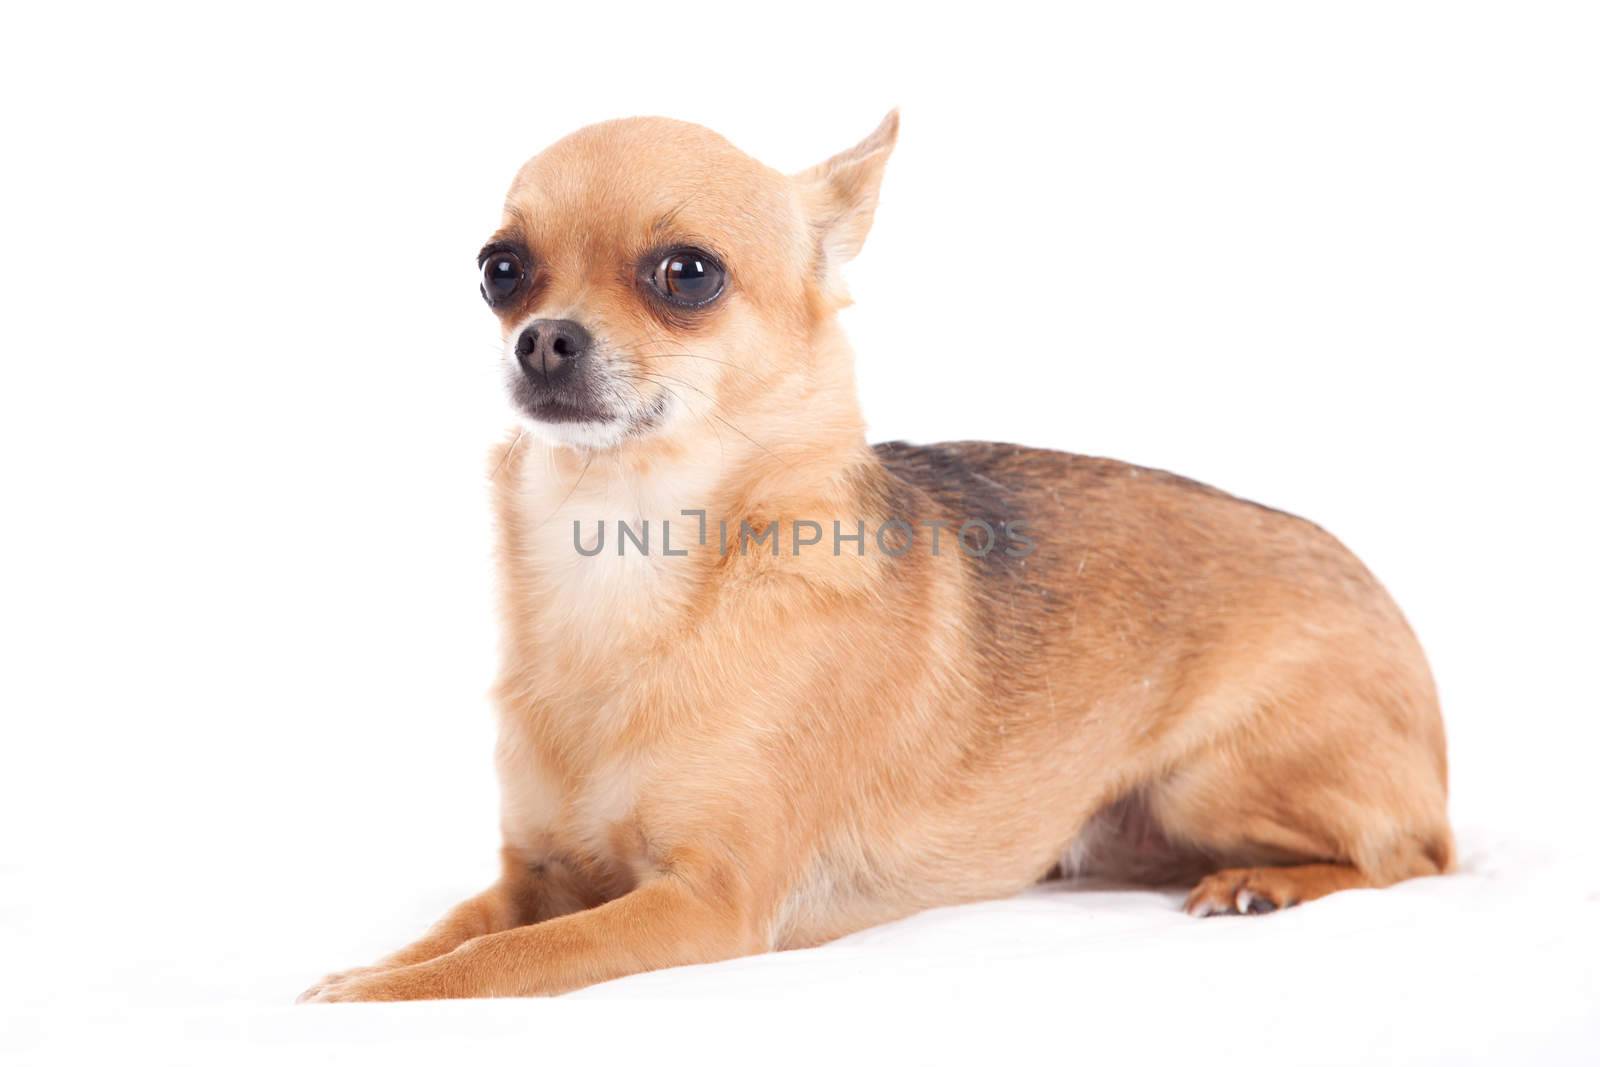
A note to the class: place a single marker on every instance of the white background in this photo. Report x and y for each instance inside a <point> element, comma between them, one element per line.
<point>1337,258</point>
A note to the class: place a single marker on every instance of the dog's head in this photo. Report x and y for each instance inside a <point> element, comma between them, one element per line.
<point>648,275</point>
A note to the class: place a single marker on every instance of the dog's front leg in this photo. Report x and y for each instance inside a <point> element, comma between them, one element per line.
<point>675,918</point>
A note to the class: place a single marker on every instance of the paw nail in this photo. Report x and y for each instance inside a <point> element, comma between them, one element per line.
<point>1260,906</point>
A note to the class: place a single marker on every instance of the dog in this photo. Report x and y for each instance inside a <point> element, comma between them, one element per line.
<point>764,685</point>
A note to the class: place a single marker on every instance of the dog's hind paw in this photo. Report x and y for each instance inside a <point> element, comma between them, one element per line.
<point>1241,891</point>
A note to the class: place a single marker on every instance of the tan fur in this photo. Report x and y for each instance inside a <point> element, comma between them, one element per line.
<point>719,754</point>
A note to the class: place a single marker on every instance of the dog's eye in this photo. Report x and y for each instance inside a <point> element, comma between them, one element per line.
<point>689,277</point>
<point>502,273</point>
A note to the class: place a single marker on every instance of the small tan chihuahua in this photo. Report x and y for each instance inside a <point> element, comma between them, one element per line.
<point>810,685</point>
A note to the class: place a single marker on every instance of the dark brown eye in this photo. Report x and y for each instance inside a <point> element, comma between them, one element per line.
<point>689,277</point>
<point>502,274</point>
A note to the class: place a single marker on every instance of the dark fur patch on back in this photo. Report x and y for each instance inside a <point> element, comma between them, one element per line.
<point>955,477</point>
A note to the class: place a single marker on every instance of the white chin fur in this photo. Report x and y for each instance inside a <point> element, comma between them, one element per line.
<point>579,435</point>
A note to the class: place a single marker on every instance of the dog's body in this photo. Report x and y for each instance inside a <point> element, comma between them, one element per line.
<point>712,748</point>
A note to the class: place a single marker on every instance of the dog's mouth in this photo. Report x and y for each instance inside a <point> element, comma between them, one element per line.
<point>558,410</point>
<point>585,412</point>
<point>558,405</point>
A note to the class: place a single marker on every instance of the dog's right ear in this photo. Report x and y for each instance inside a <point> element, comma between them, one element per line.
<point>841,195</point>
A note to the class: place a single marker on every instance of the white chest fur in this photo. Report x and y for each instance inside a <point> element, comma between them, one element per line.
<point>593,615</point>
<point>543,815</point>
<point>605,545</point>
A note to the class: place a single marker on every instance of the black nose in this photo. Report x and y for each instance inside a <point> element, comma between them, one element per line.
<point>548,348</point>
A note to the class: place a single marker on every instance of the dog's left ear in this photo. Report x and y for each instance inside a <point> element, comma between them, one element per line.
<point>841,195</point>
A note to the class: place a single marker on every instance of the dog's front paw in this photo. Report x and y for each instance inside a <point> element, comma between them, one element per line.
<point>334,979</point>
<point>422,981</point>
